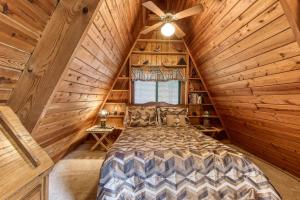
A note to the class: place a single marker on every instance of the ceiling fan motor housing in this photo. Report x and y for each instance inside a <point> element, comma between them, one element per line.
<point>169,17</point>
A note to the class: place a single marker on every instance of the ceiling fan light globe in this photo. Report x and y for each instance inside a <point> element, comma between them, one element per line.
<point>167,29</point>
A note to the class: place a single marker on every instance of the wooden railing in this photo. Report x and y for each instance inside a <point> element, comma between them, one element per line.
<point>17,141</point>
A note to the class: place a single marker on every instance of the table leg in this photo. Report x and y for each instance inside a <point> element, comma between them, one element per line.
<point>99,141</point>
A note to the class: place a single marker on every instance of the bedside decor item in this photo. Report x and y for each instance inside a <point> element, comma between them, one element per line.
<point>103,117</point>
<point>206,121</point>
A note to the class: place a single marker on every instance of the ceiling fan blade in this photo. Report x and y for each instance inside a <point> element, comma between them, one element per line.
<point>151,6</point>
<point>178,31</point>
<point>189,12</point>
<point>151,28</point>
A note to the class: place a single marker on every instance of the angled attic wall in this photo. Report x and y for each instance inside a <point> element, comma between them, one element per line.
<point>19,35</point>
<point>249,57</point>
<point>50,58</point>
<point>88,77</point>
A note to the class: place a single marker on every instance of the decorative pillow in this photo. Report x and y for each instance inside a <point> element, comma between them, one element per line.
<point>176,120</point>
<point>140,116</point>
<point>164,111</point>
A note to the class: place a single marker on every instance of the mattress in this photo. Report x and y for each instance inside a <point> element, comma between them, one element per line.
<point>178,163</point>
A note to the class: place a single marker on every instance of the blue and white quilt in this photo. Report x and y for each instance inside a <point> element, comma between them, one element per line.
<point>178,163</point>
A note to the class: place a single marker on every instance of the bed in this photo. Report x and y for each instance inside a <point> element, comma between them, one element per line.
<point>160,162</point>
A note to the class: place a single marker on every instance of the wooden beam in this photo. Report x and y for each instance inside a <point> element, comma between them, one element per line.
<point>50,58</point>
<point>292,11</point>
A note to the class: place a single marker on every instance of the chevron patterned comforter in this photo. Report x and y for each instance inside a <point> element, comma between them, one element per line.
<point>178,163</point>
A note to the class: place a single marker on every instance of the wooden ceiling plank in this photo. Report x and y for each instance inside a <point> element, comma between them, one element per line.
<point>39,80</point>
<point>253,19</point>
<point>214,15</point>
<point>103,45</point>
<point>13,58</point>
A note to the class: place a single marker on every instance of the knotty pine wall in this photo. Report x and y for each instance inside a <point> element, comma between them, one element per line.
<point>88,78</point>
<point>248,56</point>
<point>22,24</point>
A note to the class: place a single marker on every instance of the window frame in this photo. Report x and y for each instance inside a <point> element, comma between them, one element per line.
<point>156,92</point>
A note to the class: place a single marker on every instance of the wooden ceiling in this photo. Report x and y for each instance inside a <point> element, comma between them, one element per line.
<point>246,50</point>
<point>22,24</point>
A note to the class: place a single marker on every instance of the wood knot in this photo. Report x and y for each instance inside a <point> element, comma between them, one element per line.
<point>85,10</point>
<point>29,69</point>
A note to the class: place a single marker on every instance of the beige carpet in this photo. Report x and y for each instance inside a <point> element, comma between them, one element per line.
<point>75,177</point>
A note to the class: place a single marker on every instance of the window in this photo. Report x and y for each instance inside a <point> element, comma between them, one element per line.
<point>144,91</point>
<point>161,91</point>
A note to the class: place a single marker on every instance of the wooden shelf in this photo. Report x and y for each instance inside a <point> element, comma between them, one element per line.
<point>159,53</point>
<point>158,40</point>
<point>201,116</point>
<point>212,116</point>
<point>115,116</point>
<point>120,90</point>
<point>168,66</point>
<point>195,79</point>
<point>209,129</point>
<point>200,91</point>
<point>123,78</point>
<point>202,104</point>
<point>115,103</point>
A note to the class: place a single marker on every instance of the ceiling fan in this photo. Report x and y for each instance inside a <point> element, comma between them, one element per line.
<point>169,27</point>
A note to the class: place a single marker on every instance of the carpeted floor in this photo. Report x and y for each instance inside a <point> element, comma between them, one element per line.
<point>75,177</point>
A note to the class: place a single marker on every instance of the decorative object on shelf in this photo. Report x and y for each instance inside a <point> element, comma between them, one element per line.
<point>146,62</point>
<point>115,110</point>
<point>194,73</point>
<point>195,98</point>
<point>142,48</point>
<point>157,49</point>
<point>192,87</point>
<point>179,49</point>
<point>181,61</point>
<point>103,117</point>
<point>199,99</point>
<point>206,121</point>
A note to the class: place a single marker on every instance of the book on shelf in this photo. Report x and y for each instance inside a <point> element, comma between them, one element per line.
<point>195,98</point>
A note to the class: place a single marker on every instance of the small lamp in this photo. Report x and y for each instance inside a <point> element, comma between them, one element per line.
<point>103,117</point>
